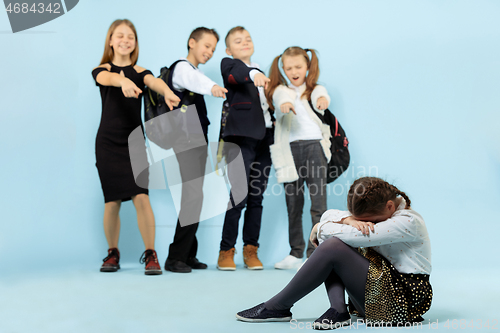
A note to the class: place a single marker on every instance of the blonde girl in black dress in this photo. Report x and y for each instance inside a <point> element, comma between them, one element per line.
<point>121,82</point>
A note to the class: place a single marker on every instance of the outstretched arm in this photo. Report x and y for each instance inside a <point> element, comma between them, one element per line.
<point>320,99</point>
<point>235,71</point>
<point>187,77</point>
<point>162,88</point>
<point>283,100</point>
<point>259,78</point>
<point>106,78</point>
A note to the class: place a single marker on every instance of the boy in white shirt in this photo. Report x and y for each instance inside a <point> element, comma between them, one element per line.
<point>187,77</point>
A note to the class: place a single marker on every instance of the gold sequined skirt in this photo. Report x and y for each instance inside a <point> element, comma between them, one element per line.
<point>393,297</point>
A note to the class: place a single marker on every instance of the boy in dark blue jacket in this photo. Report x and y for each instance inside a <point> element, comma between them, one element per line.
<point>249,125</point>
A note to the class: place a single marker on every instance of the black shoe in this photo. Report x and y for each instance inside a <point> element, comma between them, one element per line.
<point>177,266</point>
<point>331,319</point>
<point>195,264</point>
<point>259,314</point>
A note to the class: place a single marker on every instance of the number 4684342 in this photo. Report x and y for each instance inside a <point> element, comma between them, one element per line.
<point>35,8</point>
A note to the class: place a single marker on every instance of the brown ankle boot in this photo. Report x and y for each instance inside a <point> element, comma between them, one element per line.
<point>250,257</point>
<point>226,260</point>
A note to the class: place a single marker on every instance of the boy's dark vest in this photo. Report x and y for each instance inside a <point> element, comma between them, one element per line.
<point>199,101</point>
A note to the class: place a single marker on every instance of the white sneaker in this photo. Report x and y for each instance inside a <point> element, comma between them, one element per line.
<point>302,264</point>
<point>288,263</point>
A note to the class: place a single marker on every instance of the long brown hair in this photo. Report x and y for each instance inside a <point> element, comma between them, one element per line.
<point>369,195</point>
<point>108,50</point>
<point>277,78</point>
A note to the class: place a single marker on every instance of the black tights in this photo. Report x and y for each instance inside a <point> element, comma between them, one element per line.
<point>336,264</point>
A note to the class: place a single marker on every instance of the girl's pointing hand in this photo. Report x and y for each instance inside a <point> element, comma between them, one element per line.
<point>287,107</point>
<point>129,88</point>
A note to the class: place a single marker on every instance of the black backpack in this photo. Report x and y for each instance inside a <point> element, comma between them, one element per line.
<point>166,132</point>
<point>339,145</point>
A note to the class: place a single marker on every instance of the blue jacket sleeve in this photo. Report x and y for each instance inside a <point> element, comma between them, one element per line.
<point>235,71</point>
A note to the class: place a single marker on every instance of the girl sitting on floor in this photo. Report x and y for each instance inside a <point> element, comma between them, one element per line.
<point>386,278</point>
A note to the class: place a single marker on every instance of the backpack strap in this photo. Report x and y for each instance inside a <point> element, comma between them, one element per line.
<point>324,117</point>
<point>189,96</point>
<point>320,116</point>
<point>169,70</point>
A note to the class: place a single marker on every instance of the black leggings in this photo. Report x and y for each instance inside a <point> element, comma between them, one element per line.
<point>336,264</point>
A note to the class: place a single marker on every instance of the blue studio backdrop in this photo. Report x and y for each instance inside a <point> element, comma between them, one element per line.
<point>414,83</point>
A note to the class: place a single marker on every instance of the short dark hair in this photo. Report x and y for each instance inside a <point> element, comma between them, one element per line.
<point>197,34</point>
<point>232,31</point>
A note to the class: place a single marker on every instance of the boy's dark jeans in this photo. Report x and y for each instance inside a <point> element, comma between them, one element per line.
<point>257,161</point>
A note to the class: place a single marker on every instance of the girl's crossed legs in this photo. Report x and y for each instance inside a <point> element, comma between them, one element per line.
<point>336,264</point>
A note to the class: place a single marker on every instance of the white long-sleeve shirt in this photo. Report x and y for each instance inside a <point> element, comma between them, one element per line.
<point>402,239</point>
<point>302,127</point>
<point>262,96</point>
<point>281,153</point>
<point>186,76</point>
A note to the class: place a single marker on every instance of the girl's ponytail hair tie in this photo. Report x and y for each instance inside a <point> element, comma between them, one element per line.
<point>307,50</point>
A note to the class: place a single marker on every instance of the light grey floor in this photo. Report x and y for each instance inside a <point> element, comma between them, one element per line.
<point>86,300</point>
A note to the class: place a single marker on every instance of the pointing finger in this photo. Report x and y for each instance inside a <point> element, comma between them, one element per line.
<point>169,104</point>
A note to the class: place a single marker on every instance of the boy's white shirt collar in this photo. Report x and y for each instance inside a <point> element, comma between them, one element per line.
<point>252,65</point>
<point>189,63</point>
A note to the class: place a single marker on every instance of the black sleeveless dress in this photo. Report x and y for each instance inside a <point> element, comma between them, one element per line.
<point>120,116</point>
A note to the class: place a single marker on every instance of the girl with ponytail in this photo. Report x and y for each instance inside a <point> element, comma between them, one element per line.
<point>302,142</point>
<point>379,252</point>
